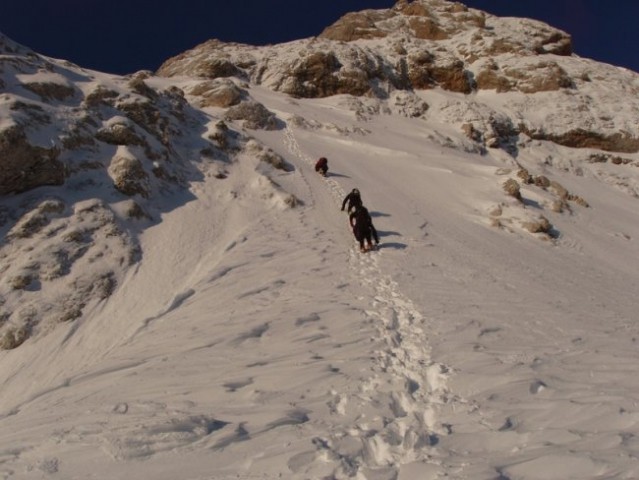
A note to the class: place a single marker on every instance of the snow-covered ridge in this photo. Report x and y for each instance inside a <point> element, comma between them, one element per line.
<point>89,160</point>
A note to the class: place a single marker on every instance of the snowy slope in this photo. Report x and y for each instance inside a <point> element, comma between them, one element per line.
<point>254,341</point>
<point>205,313</point>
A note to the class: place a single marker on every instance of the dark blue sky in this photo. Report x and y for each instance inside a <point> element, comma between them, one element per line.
<point>123,36</point>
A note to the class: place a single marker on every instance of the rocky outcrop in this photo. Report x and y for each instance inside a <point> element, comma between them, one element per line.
<point>215,64</point>
<point>119,134</point>
<point>128,175</point>
<point>429,20</point>
<point>267,156</point>
<point>34,221</point>
<point>358,25</point>
<point>116,145</point>
<point>579,138</point>
<point>25,166</point>
<point>100,96</point>
<point>217,68</point>
<point>222,93</point>
<point>321,74</point>
<point>536,76</point>
<point>425,73</point>
<point>50,91</point>
<point>254,115</point>
<point>73,248</point>
<point>425,47</point>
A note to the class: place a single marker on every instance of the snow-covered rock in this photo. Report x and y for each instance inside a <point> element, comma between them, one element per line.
<point>119,144</point>
<point>545,91</point>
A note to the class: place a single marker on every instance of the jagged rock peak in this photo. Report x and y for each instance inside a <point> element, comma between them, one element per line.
<point>423,45</point>
<point>421,19</point>
<point>413,45</point>
<point>441,20</point>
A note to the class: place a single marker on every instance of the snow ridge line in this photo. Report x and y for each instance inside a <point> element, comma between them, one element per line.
<point>405,376</point>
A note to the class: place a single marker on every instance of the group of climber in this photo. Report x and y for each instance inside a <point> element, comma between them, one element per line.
<point>358,217</point>
<point>360,221</point>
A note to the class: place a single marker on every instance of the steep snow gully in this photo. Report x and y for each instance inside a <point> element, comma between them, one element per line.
<point>403,379</point>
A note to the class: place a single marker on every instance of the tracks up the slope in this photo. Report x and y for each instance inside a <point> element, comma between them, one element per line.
<point>396,423</point>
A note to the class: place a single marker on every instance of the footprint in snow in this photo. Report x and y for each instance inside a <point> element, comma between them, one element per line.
<point>236,385</point>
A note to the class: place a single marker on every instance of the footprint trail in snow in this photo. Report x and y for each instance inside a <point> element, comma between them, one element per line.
<point>390,418</point>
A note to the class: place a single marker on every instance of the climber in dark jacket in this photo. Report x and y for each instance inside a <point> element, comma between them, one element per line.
<point>363,228</point>
<point>321,166</point>
<point>353,199</point>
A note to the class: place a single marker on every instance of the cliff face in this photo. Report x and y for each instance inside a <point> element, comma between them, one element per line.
<point>434,44</point>
<point>421,45</point>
